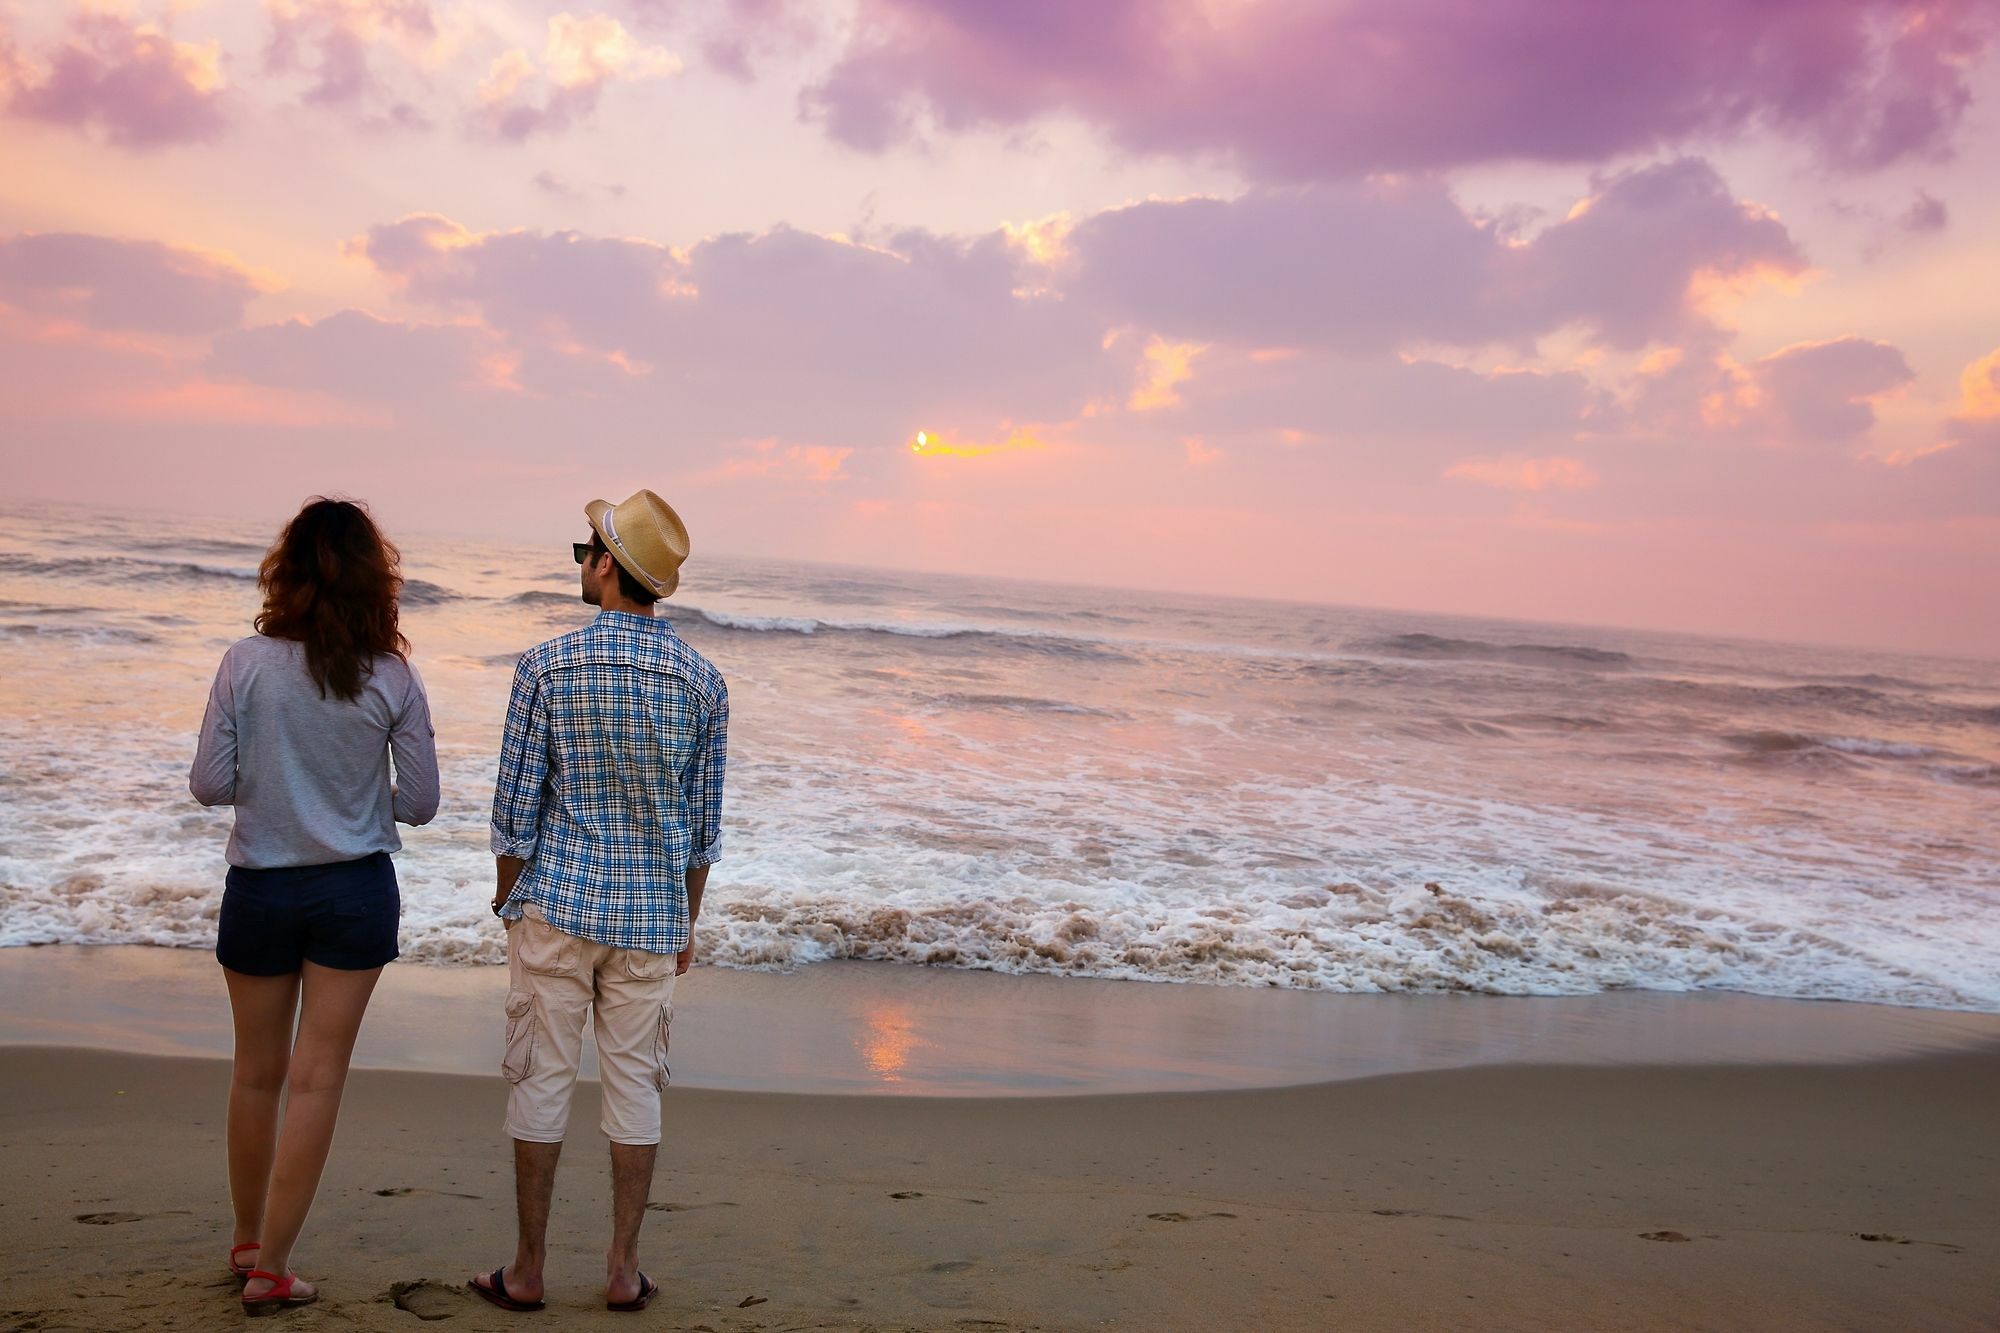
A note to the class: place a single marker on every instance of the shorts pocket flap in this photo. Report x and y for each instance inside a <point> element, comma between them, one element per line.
<point>522,1030</point>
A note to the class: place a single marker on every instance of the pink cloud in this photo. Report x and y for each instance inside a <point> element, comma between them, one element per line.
<point>522,97</point>
<point>1525,474</point>
<point>132,286</point>
<point>130,81</point>
<point>807,462</point>
<point>1296,91</point>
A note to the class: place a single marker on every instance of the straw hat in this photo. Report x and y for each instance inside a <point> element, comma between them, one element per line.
<point>644,535</point>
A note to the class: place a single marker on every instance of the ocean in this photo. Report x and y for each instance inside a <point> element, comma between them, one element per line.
<point>1034,778</point>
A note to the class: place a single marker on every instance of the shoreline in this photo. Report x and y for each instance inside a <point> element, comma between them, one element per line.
<point>885,1029</point>
<point>1517,1197</point>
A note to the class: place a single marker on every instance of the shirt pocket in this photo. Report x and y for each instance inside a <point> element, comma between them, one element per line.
<point>523,1032</point>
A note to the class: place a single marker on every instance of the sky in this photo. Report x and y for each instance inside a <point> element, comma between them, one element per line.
<point>1669,313</point>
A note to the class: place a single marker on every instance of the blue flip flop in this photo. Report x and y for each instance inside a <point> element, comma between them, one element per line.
<point>496,1291</point>
<point>647,1290</point>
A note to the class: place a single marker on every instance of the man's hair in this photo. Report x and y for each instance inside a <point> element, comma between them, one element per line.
<point>633,590</point>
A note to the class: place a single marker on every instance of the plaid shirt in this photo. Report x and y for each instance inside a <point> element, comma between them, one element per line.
<point>610,781</point>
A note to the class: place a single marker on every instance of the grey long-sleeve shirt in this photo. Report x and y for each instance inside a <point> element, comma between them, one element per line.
<point>309,776</point>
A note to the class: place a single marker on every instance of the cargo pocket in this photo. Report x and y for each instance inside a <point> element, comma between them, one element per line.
<point>661,1074</point>
<point>522,1030</point>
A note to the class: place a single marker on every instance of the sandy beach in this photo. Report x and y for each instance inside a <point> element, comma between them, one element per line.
<point>1856,1195</point>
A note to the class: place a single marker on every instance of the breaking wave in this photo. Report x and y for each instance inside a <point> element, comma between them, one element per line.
<point>1478,650</point>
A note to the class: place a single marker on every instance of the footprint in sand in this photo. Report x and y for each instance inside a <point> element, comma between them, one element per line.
<point>952,1266</point>
<point>426,1299</point>
<point>113,1219</point>
<point>402,1191</point>
<point>918,1194</point>
<point>1185,1217</point>
<point>1664,1235</point>
<point>685,1207</point>
<point>1883,1238</point>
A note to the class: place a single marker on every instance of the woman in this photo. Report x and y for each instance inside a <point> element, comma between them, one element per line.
<point>301,725</point>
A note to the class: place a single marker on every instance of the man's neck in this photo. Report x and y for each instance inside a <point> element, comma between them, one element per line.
<point>615,603</point>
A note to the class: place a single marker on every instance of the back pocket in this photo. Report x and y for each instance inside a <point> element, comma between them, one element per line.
<point>542,948</point>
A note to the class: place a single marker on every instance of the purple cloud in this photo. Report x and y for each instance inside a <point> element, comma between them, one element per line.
<point>1925,214</point>
<point>1364,267</point>
<point>333,42</point>
<point>610,294</point>
<point>129,286</point>
<point>354,354</point>
<point>785,331</point>
<point>1297,91</point>
<point>1811,393</point>
<point>1624,262</point>
<point>1823,391</point>
<point>133,83</point>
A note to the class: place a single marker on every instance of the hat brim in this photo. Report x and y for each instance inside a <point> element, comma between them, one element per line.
<point>595,512</point>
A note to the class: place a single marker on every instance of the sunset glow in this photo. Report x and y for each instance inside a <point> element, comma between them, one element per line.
<point>735,252</point>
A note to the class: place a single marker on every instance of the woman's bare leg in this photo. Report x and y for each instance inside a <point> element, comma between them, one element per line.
<point>332,1003</point>
<point>263,1009</point>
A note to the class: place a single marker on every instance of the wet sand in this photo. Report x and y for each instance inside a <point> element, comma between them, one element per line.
<point>889,1029</point>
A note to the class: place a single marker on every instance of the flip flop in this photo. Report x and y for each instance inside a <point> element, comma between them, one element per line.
<point>279,1297</point>
<point>496,1292</point>
<point>241,1272</point>
<point>647,1290</point>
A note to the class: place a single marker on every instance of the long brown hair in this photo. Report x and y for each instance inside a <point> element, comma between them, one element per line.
<point>331,582</point>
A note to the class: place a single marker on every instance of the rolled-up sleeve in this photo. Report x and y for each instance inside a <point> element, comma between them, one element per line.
<point>524,768</point>
<point>704,784</point>
<point>212,779</point>
<point>413,747</point>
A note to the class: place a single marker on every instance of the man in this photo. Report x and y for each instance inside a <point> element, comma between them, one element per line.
<point>606,818</point>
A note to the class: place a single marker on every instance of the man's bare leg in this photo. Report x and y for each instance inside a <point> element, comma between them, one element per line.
<point>534,1189</point>
<point>631,1186</point>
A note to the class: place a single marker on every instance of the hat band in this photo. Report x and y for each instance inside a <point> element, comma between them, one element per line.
<point>611,531</point>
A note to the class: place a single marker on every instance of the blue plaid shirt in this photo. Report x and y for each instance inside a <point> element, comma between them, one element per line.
<point>610,781</point>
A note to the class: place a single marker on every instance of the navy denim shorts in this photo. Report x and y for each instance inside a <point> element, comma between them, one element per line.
<point>341,915</point>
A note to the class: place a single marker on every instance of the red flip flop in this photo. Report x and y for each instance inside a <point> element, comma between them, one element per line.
<point>496,1292</point>
<point>241,1272</point>
<point>279,1297</point>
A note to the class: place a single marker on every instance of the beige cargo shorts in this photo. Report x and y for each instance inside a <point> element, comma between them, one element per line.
<point>554,981</point>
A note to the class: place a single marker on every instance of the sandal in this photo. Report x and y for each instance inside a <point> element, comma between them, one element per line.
<point>496,1292</point>
<point>647,1290</point>
<point>279,1297</point>
<point>241,1272</point>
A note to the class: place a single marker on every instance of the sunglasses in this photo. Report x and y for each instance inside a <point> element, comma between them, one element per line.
<point>584,550</point>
